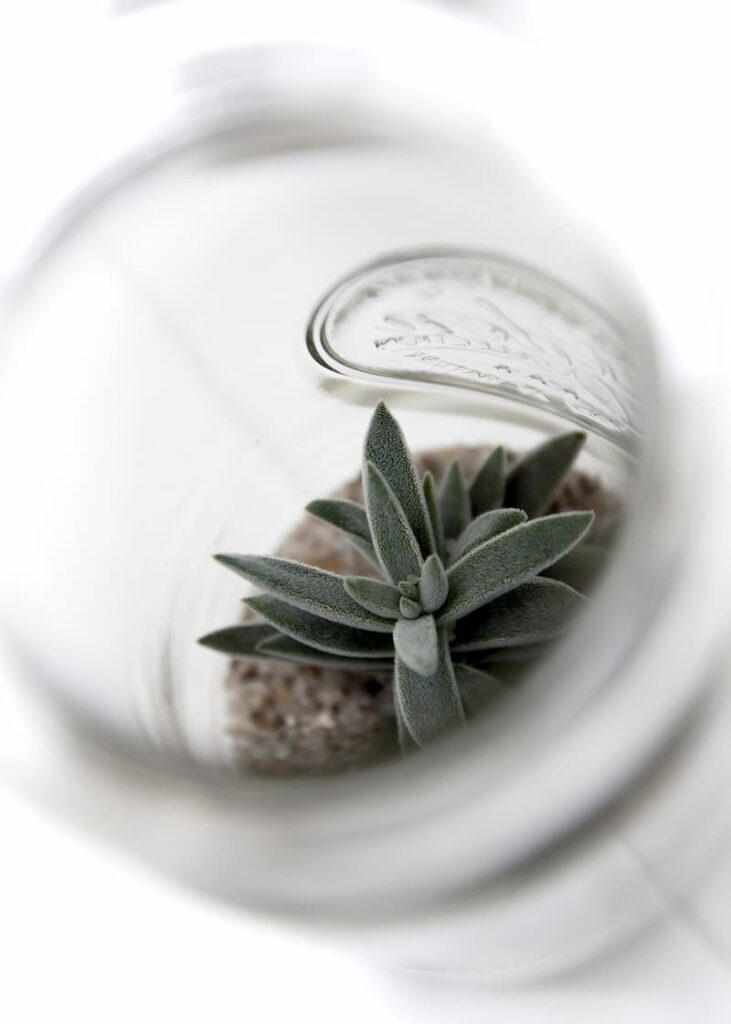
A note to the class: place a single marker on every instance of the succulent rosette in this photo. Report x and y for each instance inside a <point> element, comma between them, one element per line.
<point>462,578</point>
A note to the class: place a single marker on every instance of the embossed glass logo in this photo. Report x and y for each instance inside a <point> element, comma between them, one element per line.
<point>485,322</point>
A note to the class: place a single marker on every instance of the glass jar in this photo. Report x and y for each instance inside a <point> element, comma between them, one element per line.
<point>174,383</point>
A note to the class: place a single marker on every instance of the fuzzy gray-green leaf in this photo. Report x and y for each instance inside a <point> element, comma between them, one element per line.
<point>239,641</point>
<point>394,540</point>
<point>534,480</point>
<point>374,595</point>
<point>432,503</point>
<point>322,634</point>
<point>486,526</point>
<point>350,518</point>
<point>409,609</point>
<point>433,585</point>
<point>429,705</point>
<point>386,448</point>
<point>511,558</point>
<point>534,612</point>
<point>487,490</point>
<point>313,590</point>
<point>415,641</point>
<point>477,688</point>
<point>454,501</point>
<point>407,743</point>
<point>288,649</point>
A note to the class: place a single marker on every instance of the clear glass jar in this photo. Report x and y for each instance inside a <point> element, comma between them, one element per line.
<point>171,403</point>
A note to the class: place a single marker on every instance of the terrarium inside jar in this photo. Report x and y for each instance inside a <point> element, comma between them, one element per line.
<point>203,393</point>
<point>463,319</point>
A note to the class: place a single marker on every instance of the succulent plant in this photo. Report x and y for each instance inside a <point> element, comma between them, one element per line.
<point>461,579</point>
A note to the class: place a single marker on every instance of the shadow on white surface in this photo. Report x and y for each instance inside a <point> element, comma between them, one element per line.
<point>88,936</point>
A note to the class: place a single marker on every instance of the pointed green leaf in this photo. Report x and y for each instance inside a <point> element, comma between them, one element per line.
<point>239,641</point>
<point>454,501</point>
<point>406,741</point>
<point>432,503</point>
<point>386,448</point>
<point>487,490</point>
<point>393,538</point>
<point>374,595</point>
<point>287,649</point>
<point>322,634</point>
<point>580,568</point>
<point>409,609</point>
<point>429,705</point>
<point>433,585</point>
<point>350,518</point>
<point>313,590</point>
<point>416,645</point>
<point>534,612</point>
<point>511,558</point>
<point>534,480</point>
<point>477,688</point>
<point>486,526</point>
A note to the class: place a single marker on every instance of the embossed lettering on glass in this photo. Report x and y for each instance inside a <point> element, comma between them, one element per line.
<point>486,322</point>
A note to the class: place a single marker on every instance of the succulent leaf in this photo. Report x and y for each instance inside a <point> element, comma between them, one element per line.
<point>487,491</point>
<point>303,586</point>
<point>287,649</point>
<point>534,612</point>
<point>238,641</point>
<point>350,518</point>
<point>394,540</point>
<point>374,595</point>
<point>486,526</point>
<point>415,641</point>
<point>497,566</point>
<point>476,688</point>
<point>407,743</point>
<point>432,503</point>
<point>433,585</point>
<point>386,448</point>
<point>409,609</point>
<point>454,501</point>
<point>429,705</point>
<point>534,480</point>
<point>324,635</point>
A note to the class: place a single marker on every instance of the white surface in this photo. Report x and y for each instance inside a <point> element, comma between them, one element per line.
<point>88,937</point>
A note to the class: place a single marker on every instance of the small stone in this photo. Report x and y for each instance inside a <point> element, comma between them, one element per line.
<point>325,720</point>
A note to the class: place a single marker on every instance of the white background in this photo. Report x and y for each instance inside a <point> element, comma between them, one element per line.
<point>87,936</point>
